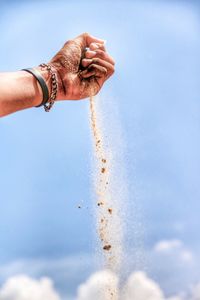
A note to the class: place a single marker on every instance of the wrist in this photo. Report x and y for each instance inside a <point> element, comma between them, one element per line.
<point>47,82</point>
<point>61,94</point>
<point>64,91</point>
<point>47,78</point>
<point>32,90</point>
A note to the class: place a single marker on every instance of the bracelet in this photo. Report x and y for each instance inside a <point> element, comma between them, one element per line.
<point>47,101</point>
<point>42,83</point>
<point>54,87</point>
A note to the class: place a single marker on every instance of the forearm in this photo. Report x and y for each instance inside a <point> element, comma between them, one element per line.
<point>19,90</point>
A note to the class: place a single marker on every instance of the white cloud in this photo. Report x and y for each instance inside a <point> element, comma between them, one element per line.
<point>66,272</point>
<point>140,287</point>
<point>22,287</point>
<point>167,245</point>
<point>176,248</point>
<point>100,286</point>
<point>196,292</point>
<point>186,256</point>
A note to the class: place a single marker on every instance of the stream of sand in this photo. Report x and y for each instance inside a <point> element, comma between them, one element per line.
<point>107,190</point>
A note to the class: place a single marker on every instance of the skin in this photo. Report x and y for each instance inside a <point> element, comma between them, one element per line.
<point>80,74</point>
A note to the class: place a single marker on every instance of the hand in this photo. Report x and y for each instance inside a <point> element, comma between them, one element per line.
<point>81,73</point>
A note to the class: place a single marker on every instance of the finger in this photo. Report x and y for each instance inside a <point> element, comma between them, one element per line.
<point>91,39</point>
<point>95,70</point>
<point>86,74</point>
<point>100,62</point>
<point>100,54</point>
<point>85,39</point>
<point>90,54</point>
<point>86,62</point>
<point>95,46</point>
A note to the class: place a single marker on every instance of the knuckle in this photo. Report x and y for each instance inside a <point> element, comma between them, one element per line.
<point>112,71</point>
<point>101,53</point>
<point>86,34</point>
<point>96,60</point>
<point>105,71</point>
<point>113,60</point>
<point>68,43</point>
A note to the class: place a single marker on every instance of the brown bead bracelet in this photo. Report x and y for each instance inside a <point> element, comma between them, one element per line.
<point>54,87</point>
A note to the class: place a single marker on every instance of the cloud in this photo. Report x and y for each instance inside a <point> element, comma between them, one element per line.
<point>167,245</point>
<point>22,287</point>
<point>66,272</point>
<point>174,247</point>
<point>140,287</point>
<point>186,256</point>
<point>100,286</point>
<point>196,292</point>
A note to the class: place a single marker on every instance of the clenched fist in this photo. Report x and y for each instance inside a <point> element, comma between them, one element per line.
<point>82,67</point>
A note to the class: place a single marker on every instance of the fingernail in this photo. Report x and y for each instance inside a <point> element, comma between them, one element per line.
<point>86,62</point>
<point>103,42</point>
<point>94,46</point>
<point>91,53</point>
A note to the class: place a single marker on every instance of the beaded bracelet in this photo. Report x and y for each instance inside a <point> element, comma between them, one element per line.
<point>54,87</point>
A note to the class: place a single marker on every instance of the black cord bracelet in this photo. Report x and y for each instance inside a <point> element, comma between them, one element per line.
<point>42,83</point>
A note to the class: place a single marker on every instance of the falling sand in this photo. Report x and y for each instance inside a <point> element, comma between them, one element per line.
<point>106,178</point>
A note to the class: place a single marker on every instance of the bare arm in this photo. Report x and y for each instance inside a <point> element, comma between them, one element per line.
<point>76,76</point>
<point>19,90</point>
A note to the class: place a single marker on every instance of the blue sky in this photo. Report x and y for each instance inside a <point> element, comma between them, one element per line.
<point>45,157</point>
